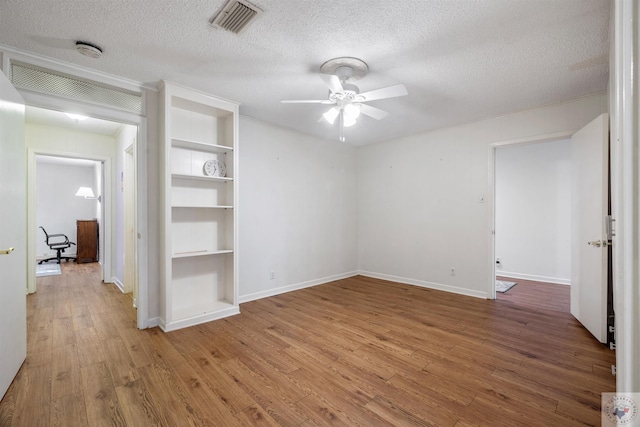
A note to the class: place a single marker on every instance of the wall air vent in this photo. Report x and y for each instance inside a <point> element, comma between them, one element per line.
<point>235,16</point>
<point>36,79</point>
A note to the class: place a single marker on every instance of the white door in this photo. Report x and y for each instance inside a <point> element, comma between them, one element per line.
<point>13,232</point>
<point>590,170</point>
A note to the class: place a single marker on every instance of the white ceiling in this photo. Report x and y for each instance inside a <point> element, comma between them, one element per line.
<point>460,60</point>
<point>56,118</point>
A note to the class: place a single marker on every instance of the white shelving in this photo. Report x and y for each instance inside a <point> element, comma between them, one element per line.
<point>199,265</point>
<point>202,178</point>
<point>196,145</point>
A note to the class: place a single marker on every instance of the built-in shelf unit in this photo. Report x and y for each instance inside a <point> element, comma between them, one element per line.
<point>199,270</point>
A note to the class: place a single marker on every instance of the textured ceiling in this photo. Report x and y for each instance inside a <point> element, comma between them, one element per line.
<point>460,60</point>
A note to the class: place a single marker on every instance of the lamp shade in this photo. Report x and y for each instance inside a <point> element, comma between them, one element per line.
<point>352,111</point>
<point>330,116</point>
<point>85,192</point>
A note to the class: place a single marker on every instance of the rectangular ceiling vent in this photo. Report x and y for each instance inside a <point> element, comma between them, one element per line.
<point>33,78</point>
<point>235,16</point>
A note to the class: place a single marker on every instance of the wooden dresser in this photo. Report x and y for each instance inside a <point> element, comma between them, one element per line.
<point>87,240</point>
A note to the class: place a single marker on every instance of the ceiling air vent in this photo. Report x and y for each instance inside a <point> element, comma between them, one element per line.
<point>235,16</point>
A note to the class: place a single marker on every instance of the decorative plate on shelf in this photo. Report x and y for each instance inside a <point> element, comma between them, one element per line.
<point>214,167</point>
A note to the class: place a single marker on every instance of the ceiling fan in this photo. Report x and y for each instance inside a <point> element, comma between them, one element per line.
<point>345,97</point>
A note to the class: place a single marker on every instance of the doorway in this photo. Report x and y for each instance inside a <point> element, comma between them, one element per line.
<point>589,207</point>
<point>533,224</point>
<point>59,208</point>
<point>51,135</point>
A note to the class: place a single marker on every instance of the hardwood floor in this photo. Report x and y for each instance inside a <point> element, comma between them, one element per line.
<point>357,351</point>
<point>537,295</point>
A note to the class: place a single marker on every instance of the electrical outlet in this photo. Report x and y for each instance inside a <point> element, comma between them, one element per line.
<point>272,275</point>
<point>453,271</point>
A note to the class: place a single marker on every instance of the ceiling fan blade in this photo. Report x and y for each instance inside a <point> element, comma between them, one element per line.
<point>385,92</point>
<point>333,82</point>
<point>306,101</point>
<point>374,112</point>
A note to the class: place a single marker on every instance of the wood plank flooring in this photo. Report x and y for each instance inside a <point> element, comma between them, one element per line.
<point>357,351</point>
<point>537,295</point>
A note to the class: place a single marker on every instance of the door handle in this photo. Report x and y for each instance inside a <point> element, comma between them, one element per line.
<point>598,243</point>
<point>6,251</point>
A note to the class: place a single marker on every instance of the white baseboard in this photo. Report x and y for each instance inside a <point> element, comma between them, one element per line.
<point>118,283</point>
<point>199,319</point>
<point>152,322</point>
<point>533,277</point>
<point>425,284</point>
<point>294,287</point>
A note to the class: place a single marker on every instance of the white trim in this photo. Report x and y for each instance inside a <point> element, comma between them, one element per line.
<point>32,230</point>
<point>547,137</point>
<point>425,284</point>
<point>491,220</point>
<point>625,197</point>
<point>397,279</point>
<point>139,120</point>
<point>153,322</point>
<point>118,283</point>
<point>198,95</point>
<point>295,287</point>
<point>142,220</point>
<point>197,320</point>
<point>52,102</point>
<point>545,279</point>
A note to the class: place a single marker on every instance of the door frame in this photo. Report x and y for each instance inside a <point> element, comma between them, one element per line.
<point>105,207</point>
<point>141,202</point>
<point>60,103</point>
<point>625,163</point>
<point>130,209</point>
<point>491,197</point>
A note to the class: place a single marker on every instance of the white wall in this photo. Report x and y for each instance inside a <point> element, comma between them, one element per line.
<point>419,198</point>
<point>533,211</point>
<point>57,206</point>
<point>297,210</point>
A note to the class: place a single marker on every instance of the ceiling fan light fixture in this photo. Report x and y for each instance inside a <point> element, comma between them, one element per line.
<point>349,121</point>
<point>331,115</point>
<point>352,111</point>
<point>338,75</point>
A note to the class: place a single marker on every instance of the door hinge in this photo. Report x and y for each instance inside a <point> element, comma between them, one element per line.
<point>608,225</point>
<point>612,329</point>
<point>613,370</point>
<point>612,346</point>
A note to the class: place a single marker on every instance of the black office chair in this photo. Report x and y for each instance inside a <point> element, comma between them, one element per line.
<point>57,242</point>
